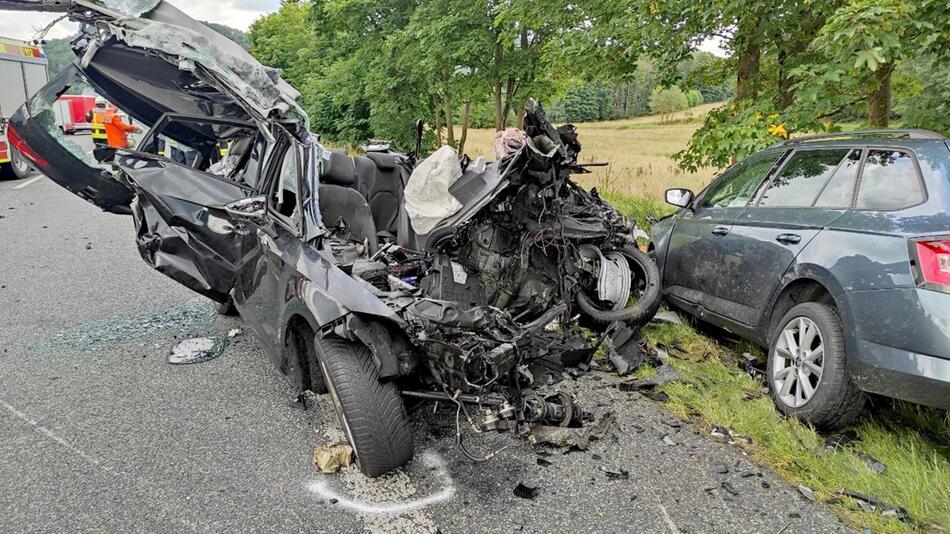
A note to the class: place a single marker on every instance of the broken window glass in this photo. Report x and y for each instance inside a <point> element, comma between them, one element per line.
<point>802,178</point>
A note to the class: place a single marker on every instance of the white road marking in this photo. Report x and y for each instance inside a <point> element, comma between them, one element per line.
<point>669,521</point>
<point>30,181</point>
<point>49,434</point>
<point>430,459</point>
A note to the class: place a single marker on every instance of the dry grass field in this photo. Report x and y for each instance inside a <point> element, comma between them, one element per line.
<point>639,152</point>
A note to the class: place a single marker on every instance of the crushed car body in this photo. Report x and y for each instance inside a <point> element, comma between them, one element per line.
<point>375,279</point>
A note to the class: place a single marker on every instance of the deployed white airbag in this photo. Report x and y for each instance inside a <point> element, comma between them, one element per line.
<point>428,199</point>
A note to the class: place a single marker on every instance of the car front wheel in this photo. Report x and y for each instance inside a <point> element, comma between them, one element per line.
<point>807,368</point>
<point>371,412</point>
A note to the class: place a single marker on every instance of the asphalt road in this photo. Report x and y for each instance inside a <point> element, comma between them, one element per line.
<point>99,434</point>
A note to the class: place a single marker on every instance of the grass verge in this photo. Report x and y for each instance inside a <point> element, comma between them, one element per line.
<point>912,442</point>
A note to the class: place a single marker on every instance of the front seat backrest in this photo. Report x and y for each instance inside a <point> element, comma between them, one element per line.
<point>346,205</point>
<point>380,181</point>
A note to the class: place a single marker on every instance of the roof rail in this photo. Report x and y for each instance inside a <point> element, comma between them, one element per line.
<point>902,133</point>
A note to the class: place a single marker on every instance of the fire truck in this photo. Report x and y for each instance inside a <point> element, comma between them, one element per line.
<point>23,71</point>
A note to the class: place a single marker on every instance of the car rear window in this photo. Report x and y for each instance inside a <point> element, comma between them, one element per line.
<point>803,178</point>
<point>889,181</point>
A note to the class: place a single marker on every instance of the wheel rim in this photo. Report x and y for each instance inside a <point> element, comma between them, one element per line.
<point>19,162</point>
<point>798,362</point>
<point>638,285</point>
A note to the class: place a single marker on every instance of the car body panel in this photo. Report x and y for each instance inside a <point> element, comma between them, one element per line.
<point>183,230</point>
<point>753,260</point>
<point>693,256</point>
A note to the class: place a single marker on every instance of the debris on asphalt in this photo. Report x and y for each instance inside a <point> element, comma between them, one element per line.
<point>330,458</point>
<point>807,492</point>
<point>721,468</point>
<point>669,441</point>
<point>544,463</point>
<point>196,350</point>
<point>235,332</point>
<point>838,441</point>
<point>658,396</point>
<point>573,438</point>
<point>719,433</point>
<point>668,317</point>
<point>525,492</point>
<point>626,353</point>
<point>728,488</point>
<point>615,474</point>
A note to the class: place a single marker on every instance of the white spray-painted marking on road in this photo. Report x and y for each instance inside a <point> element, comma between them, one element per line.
<point>430,459</point>
<point>28,182</point>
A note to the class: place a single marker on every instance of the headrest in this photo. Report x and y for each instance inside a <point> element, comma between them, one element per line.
<point>338,169</point>
<point>385,162</point>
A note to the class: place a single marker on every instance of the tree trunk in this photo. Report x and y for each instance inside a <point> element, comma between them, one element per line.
<point>747,77</point>
<point>785,96</point>
<point>879,98</point>
<point>509,98</point>
<point>466,111</point>
<point>447,101</point>
<point>499,104</point>
<point>438,120</point>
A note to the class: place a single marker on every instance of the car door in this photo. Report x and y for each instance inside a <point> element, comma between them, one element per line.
<point>183,228</point>
<point>810,191</point>
<point>693,263</point>
<point>264,283</point>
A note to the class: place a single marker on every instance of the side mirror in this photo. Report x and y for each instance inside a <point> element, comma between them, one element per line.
<point>248,209</point>
<point>680,198</point>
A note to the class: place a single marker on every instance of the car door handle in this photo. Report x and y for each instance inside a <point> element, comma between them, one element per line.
<point>721,230</point>
<point>789,239</point>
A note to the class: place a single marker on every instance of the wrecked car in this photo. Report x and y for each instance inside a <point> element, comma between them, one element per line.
<point>374,279</point>
<point>832,253</point>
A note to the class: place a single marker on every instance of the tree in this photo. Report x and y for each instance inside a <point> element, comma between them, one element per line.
<point>862,44</point>
<point>666,102</point>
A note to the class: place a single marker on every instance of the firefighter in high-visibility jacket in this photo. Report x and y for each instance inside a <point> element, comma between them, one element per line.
<point>100,114</point>
<point>108,128</point>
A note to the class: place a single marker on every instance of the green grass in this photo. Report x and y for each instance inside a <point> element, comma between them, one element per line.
<point>912,442</point>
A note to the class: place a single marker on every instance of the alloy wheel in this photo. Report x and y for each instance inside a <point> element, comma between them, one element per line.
<point>798,362</point>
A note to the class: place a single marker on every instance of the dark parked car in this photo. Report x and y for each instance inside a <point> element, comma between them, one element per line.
<point>833,252</point>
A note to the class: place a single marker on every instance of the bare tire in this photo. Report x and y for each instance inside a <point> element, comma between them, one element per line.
<point>20,166</point>
<point>371,412</point>
<point>808,368</point>
<point>645,286</point>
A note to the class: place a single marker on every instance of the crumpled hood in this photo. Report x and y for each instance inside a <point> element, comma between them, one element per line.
<point>160,27</point>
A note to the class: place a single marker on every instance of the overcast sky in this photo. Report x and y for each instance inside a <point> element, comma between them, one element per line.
<point>235,13</point>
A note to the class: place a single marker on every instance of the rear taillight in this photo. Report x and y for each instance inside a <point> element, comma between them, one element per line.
<point>22,147</point>
<point>934,259</point>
